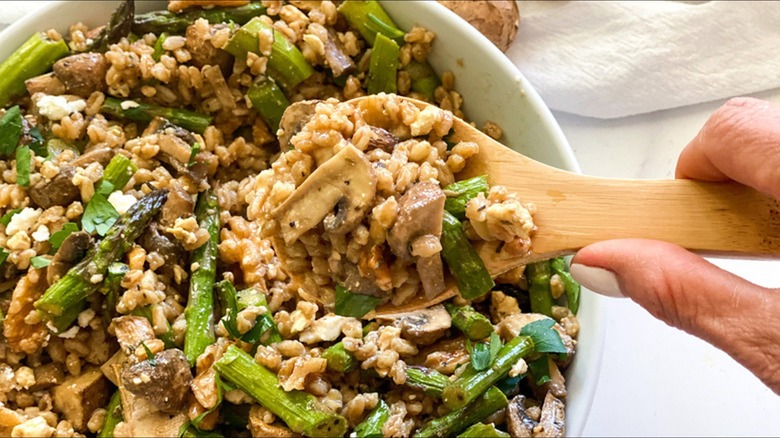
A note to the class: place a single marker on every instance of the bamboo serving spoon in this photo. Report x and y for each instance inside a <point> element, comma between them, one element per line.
<point>574,210</point>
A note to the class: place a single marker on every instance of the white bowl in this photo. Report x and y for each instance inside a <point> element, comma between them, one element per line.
<point>493,90</point>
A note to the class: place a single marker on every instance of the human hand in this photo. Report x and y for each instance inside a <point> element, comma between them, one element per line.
<point>740,142</point>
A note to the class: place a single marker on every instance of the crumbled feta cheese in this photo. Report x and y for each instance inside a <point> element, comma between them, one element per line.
<point>127,104</point>
<point>57,107</point>
<point>23,221</point>
<point>121,202</point>
<point>41,234</point>
<point>85,317</point>
<point>67,334</point>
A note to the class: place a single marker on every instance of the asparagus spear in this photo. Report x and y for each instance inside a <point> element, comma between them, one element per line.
<point>370,19</point>
<point>449,425</point>
<point>572,288</point>
<point>72,290</point>
<point>427,380</point>
<point>471,383</point>
<point>117,28</point>
<point>286,63</point>
<point>145,112</point>
<point>268,100</point>
<point>199,313</point>
<point>539,292</point>
<point>371,427</point>
<point>296,408</point>
<point>113,416</point>
<point>466,266</point>
<point>424,79</point>
<point>339,359</point>
<point>166,21</point>
<point>118,172</point>
<point>460,193</point>
<point>33,58</point>
<point>383,66</point>
<point>482,430</point>
<point>473,324</point>
<point>110,289</point>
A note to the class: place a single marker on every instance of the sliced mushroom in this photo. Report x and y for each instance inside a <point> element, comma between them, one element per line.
<point>422,327</point>
<point>339,193</point>
<point>71,251</point>
<point>180,204</point>
<point>294,119</point>
<point>553,420</point>
<point>431,271</point>
<point>203,51</point>
<point>131,331</point>
<point>143,418</point>
<point>83,73</point>
<point>338,61</point>
<point>557,384</point>
<point>164,382</point>
<point>352,280</point>
<point>46,84</point>
<point>171,250</point>
<point>382,139</point>
<point>420,213</point>
<point>518,422</point>
<point>60,189</point>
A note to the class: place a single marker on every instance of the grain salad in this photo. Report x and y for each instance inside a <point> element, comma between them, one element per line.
<point>214,220</point>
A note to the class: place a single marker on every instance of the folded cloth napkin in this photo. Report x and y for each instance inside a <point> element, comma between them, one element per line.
<point>614,59</point>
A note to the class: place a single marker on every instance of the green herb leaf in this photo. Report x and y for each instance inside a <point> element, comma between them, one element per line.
<point>355,305</point>
<point>23,165</point>
<point>6,218</point>
<point>540,370</point>
<point>483,354</point>
<point>58,237</point>
<point>193,153</point>
<point>35,141</point>
<point>105,188</point>
<point>99,215</point>
<point>39,262</point>
<point>149,355</point>
<point>10,131</point>
<point>495,346</point>
<point>233,302</point>
<point>546,339</point>
<point>158,47</point>
<point>3,256</point>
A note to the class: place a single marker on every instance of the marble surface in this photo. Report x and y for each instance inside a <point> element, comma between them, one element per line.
<point>655,380</point>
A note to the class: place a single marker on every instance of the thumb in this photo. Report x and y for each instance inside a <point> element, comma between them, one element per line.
<point>689,293</point>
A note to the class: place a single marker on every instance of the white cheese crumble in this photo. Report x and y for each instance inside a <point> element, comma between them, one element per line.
<point>121,202</point>
<point>57,107</point>
<point>127,104</point>
<point>41,234</point>
<point>23,221</point>
<point>85,317</point>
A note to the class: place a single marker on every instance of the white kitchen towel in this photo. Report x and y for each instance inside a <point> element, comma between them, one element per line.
<point>613,59</point>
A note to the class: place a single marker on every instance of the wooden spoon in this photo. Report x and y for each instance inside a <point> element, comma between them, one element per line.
<point>576,210</point>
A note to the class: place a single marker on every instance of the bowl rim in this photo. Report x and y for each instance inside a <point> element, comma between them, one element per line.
<point>31,22</point>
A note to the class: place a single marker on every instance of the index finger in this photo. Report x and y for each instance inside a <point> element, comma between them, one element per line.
<point>740,142</point>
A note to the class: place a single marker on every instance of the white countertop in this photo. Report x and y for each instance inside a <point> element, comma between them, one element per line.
<point>656,380</point>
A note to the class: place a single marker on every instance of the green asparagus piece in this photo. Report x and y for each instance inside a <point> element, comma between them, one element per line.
<point>572,288</point>
<point>473,324</point>
<point>234,416</point>
<point>166,21</point>
<point>339,359</point>
<point>116,29</point>
<point>370,19</point>
<point>110,289</point>
<point>296,408</point>
<point>158,47</point>
<point>351,304</point>
<point>113,416</point>
<point>199,313</point>
<point>145,112</point>
<point>117,174</point>
<point>491,401</point>
<point>538,275</point>
<point>482,430</point>
<point>268,100</point>
<point>72,290</point>
<point>426,380</point>
<point>465,265</point>
<point>471,383</point>
<point>194,432</point>
<point>286,63</point>
<point>34,57</point>
<point>460,193</point>
<point>424,79</point>
<point>383,66</point>
<point>371,427</point>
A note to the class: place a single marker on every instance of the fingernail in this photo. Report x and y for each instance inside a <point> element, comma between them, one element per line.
<point>598,280</point>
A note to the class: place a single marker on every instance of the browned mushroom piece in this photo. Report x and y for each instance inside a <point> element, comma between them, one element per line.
<point>163,382</point>
<point>337,194</point>
<point>60,189</point>
<point>553,420</point>
<point>294,119</point>
<point>423,327</point>
<point>70,252</point>
<point>130,331</point>
<point>171,250</point>
<point>203,51</point>
<point>46,84</point>
<point>382,139</point>
<point>77,397</point>
<point>179,205</point>
<point>338,61</point>
<point>83,73</point>
<point>496,19</point>
<point>519,424</point>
